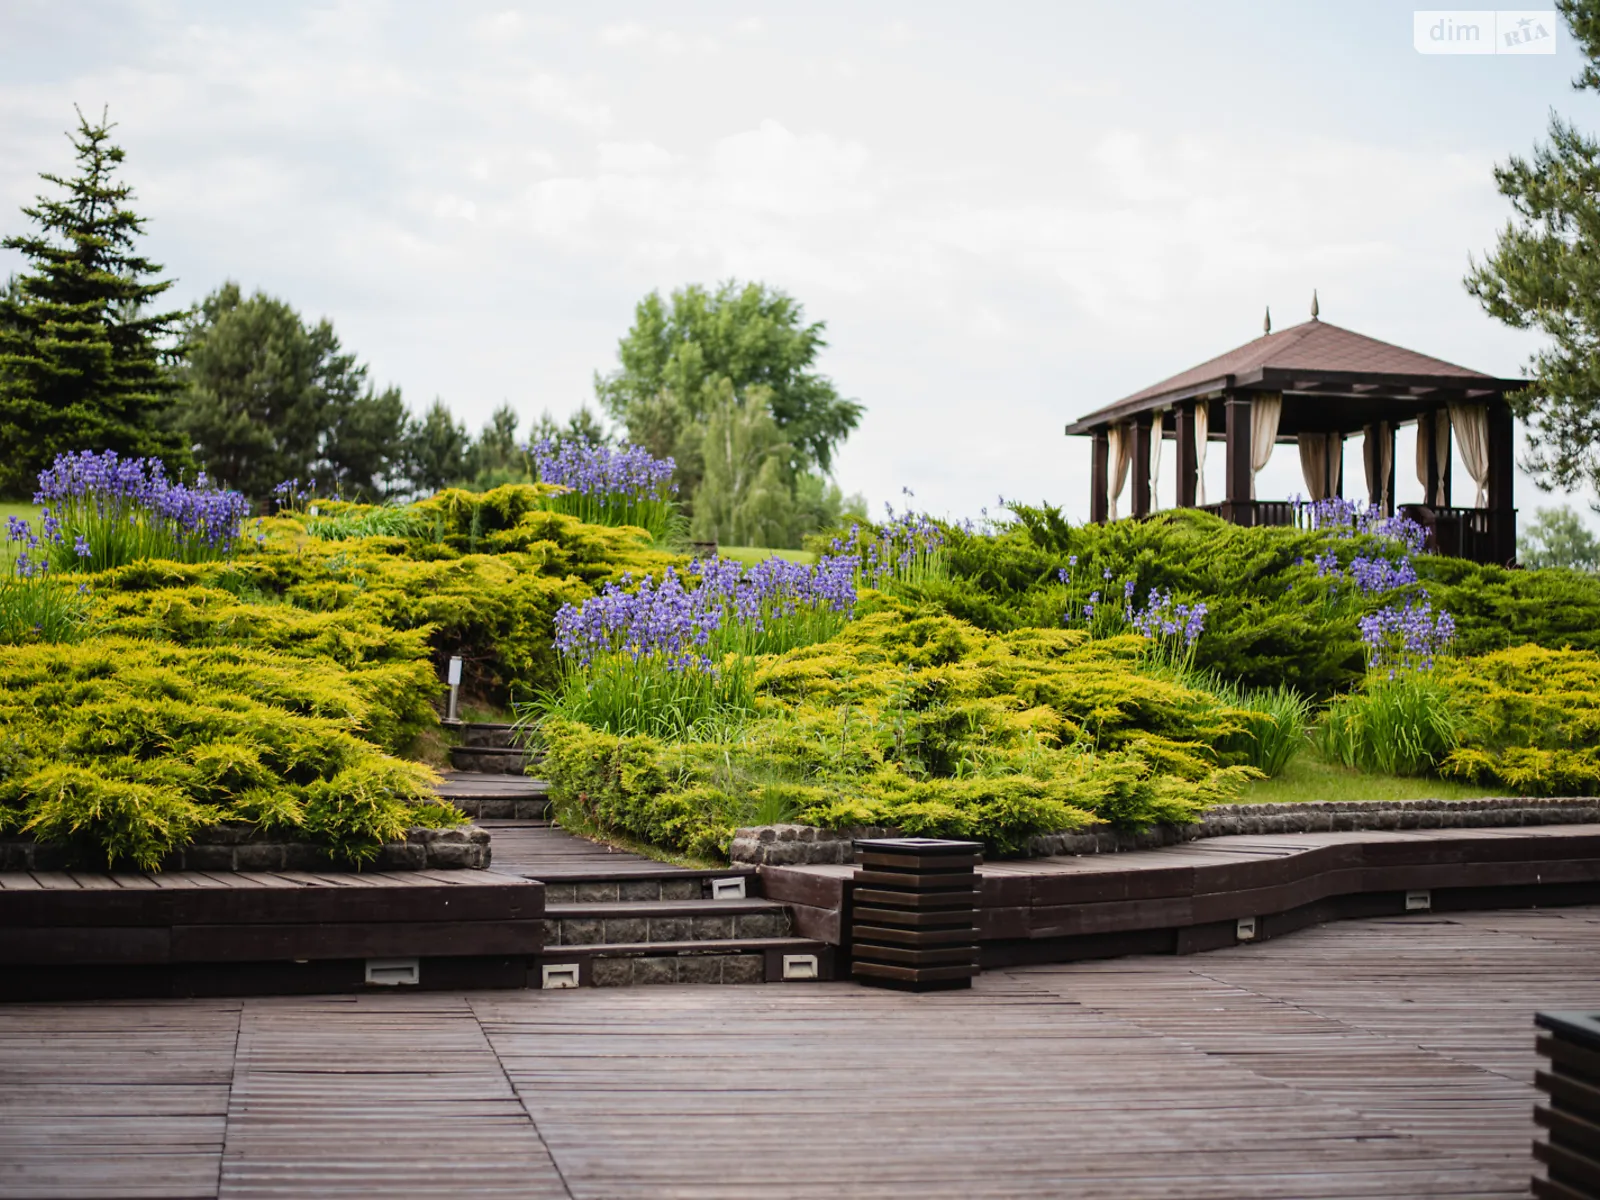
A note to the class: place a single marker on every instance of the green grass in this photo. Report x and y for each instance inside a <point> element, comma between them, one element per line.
<point>1308,777</point>
<point>751,555</point>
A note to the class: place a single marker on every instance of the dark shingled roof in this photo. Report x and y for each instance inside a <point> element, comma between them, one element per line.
<point>1312,347</point>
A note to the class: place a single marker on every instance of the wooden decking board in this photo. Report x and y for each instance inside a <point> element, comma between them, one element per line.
<point>1380,1060</point>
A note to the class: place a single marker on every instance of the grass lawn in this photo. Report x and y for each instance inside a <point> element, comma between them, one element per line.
<point>751,555</point>
<point>1308,777</point>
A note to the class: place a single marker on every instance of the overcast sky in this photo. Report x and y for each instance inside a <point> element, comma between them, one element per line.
<point>1007,214</point>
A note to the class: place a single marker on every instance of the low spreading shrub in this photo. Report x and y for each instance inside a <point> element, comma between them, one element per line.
<point>124,748</point>
<point>1531,720</point>
<point>914,719</point>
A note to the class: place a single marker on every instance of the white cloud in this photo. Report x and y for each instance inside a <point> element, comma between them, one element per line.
<point>632,158</point>
<point>665,42</point>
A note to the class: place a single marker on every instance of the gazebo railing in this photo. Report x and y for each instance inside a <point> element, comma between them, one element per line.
<point>1459,532</point>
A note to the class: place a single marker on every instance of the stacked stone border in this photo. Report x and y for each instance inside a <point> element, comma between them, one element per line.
<point>239,846</point>
<point>803,845</point>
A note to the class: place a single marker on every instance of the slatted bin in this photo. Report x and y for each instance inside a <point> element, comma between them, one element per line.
<point>915,924</point>
<point>1570,1116</point>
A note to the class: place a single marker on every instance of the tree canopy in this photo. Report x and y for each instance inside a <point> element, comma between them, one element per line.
<point>1557,537</point>
<point>269,397</point>
<point>81,352</point>
<point>724,381</point>
<point>1544,274</point>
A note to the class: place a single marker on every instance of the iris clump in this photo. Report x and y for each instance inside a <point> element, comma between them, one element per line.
<point>1172,629</point>
<point>1406,637</point>
<point>608,486</point>
<point>666,657</point>
<point>36,606</point>
<point>102,511</point>
<point>1346,519</point>
<point>906,549</point>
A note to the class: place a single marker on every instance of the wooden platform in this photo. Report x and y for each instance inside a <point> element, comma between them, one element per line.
<point>1188,898</point>
<point>198,933</point>
<point>1377,1059</point>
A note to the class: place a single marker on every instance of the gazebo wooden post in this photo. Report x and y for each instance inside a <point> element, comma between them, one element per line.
<point>1388,485</point>
<point>1502,477</point>
<point>1427,438</point>
<point>1338,474</point>
<point>1100,477</point>
<point>1188,464</point>
<point>1141,465</point>
<point>1237,505</point>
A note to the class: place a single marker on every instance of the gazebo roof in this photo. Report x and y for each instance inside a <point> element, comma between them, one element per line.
<point>1317,359</point>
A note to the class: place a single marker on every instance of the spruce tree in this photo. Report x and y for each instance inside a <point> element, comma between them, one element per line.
<point>80,360</point>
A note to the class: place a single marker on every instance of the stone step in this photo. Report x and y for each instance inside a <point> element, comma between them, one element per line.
<point>492,734</point>
<point>490,760</point>
<point>688,884</point>
<point>662,921</point>
<point>731,960</point>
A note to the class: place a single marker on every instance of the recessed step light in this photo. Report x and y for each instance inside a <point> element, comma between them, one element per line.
<point>559,975</point>
<point>394,972</point>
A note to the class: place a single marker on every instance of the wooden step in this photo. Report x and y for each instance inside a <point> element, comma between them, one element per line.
<point>578,885</point>
<point>730,960</point>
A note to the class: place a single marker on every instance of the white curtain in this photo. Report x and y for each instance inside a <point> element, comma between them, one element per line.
<point>1470,423</point>
<point>1121,458</point>
<point>1377,456</point>
<point>1156,424</point>
<point>1202,433</point>
<point>1265,409</point>
<point>1441,456</point>
<point>1320,455</point>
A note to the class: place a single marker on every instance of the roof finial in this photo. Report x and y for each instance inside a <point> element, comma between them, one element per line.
<point>1266,325</point>
<point>1314,308</point>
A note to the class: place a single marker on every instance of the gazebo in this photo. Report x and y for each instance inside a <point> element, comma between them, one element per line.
<point>1314,385</point>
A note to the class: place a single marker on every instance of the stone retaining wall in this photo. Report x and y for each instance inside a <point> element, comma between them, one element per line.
<point>801,845</point>
<point>237,846</point>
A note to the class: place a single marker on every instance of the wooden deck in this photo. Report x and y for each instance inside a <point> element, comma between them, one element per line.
<point>65,934</point>
<point>1381,1059</point>
<point>1189,897</point>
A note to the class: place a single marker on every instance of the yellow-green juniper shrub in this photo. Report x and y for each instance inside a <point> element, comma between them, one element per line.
<point>124,748</point>
<point>920,721</point>
<point>1530,719</point>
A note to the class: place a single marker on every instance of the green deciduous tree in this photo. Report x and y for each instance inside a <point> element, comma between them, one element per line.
<point>1557,537</point>
<point>1544,274</point>
<point>268,397</point>
<point>80,349</point>
<point>685,361</point>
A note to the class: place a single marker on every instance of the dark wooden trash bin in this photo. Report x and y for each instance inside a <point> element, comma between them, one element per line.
<point>1570,1117</point>
<point>915,904</point>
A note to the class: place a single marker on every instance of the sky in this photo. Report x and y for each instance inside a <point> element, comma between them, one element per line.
<point>1007,214</point>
